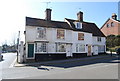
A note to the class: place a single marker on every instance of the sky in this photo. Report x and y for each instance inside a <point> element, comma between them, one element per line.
<point>13,13</point>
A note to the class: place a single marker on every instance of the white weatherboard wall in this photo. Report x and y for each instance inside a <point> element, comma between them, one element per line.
<point>70,37</point>
<point>95,42</point>
<point>87,40</point>
<point>30,33</point>
<point>59,40</point>
<point>101,43</point>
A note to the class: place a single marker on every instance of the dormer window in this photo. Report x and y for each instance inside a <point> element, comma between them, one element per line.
<point>78,25</point>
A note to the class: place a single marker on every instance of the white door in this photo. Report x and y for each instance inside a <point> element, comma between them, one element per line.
<point>69,50</point>
<point>95,50</point>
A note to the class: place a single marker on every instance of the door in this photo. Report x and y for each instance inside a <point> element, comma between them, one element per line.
<point>95,50</point>
<point>89,50</point>
<point>69,50</point>
<point>30,50</point>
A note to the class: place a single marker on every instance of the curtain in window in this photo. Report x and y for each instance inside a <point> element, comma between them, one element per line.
<point>41,47</point>
<point>80,48</point>
<point>60,47</point>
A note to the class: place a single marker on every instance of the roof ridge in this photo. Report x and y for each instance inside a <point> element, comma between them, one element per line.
<point>46,20</point>
<point>75,20</point>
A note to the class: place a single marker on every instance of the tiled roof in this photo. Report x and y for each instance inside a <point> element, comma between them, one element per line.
<point>44,23</point>
<point>86,26</point>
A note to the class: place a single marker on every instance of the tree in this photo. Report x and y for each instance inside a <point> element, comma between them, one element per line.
<point>110,42</point>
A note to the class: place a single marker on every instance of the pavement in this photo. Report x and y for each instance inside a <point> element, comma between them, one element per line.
<point>107,56</point>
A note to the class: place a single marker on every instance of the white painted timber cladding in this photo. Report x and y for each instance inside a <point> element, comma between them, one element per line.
<point>70,37</point>
<point>95,42</point>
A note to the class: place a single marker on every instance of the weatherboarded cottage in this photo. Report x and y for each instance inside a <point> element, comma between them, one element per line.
<point>46,39</point>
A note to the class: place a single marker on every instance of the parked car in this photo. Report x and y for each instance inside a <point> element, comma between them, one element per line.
<point>1,57</point>
<point>118,50</point>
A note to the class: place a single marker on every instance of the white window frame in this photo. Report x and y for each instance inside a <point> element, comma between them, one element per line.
<point>101,48</point>
<point>81,38</point>
<point>78,25</point>
<point>57,34</point>
<point>40,48</point>
<point>58,49</point>
<point>99,39</point>
<point>41,33</point>
<point>80,47</point>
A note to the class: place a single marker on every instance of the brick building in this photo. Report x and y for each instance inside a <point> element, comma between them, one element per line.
<point>111,26</point>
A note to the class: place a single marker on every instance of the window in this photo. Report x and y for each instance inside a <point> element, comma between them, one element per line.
<point>80,36</point>
<point>78,25</point>
<point>80,48</point>
<point>60,34</point>
<point>41,47</point>
<point>41,32</point>
<point>101,48</point>
<point>60,47</point>
<point>99,39</point>
<point>112,24</point>
<point>107,25</point>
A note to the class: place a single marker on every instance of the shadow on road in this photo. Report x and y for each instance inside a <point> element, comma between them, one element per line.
<point>83,63</point>
<point>70,64</point>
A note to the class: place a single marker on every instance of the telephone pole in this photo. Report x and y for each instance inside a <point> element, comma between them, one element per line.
<point>18,44</point>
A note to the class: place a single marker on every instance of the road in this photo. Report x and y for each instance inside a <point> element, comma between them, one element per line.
<point>8,59</point>
<point>89,69</point>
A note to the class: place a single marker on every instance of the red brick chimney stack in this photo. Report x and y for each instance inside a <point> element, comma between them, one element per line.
<point>80,16</point>
<point>48,14</point>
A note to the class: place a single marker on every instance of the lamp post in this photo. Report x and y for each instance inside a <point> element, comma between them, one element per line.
<point>18,44</point>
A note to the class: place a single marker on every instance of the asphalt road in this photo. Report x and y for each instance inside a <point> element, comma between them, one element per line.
<point>91,69</point>
<point>8,59</point>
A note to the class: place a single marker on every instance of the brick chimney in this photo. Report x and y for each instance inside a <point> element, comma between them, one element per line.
<point>48,14</point>
<point>114,16</point>
<point>80,16</point>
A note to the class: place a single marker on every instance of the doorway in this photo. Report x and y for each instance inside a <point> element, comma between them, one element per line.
<point>89,50</point>
<point>95,50</point>
<point>69,50</point>
<point>30,50</point>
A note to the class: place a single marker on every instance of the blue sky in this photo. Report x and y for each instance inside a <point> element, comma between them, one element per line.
<point>97,12</point>
<point>14,12</point>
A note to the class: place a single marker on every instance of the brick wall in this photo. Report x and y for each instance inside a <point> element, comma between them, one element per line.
<point>115,30</point>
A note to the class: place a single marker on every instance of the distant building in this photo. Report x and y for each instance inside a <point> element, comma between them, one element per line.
<point>46,39</point>
<point>111,26</point>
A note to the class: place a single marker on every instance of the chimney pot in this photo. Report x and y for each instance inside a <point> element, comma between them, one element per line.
<point>114,16</point>
<point>80,16</point>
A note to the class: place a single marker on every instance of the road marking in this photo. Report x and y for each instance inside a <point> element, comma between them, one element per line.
<point>12,65</point>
